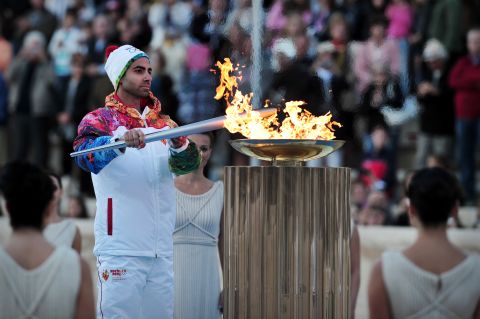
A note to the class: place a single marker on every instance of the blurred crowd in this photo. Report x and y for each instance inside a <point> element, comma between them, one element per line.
<point>377,65</point>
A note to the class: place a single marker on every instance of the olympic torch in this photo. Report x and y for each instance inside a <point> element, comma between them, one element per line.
<point>194,128</point>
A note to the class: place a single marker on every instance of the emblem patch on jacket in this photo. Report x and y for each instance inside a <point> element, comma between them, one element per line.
<point>105,275</point>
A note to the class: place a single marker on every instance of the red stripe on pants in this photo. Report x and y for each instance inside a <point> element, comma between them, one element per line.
<point>109,217</point>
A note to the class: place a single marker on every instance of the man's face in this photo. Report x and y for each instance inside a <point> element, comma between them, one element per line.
<point>138,78</point>
<point>473,42</point>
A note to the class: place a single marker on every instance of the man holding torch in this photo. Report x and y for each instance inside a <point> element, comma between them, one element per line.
<point>134,190</point>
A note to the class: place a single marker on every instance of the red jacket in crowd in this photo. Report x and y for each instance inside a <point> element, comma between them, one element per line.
<point>465,80</point>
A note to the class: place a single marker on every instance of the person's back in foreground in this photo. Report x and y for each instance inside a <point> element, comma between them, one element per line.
<point>38,280</point>
<point>432,278</point>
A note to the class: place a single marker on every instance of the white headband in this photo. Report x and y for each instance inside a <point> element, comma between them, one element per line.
<point>120,60</point>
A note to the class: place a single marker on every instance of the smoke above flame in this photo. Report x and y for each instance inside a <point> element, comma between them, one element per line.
<point>298,122</point>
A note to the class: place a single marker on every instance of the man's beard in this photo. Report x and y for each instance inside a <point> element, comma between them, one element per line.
<point>136,93</point>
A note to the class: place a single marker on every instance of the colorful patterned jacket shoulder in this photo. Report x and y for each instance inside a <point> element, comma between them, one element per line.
<point>120,114</point>
<point>97,128</point>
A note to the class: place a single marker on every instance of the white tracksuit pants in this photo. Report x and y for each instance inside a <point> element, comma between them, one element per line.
<point>134,287</point>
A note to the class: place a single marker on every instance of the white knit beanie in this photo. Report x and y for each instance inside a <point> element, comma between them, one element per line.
<point>119,60</point>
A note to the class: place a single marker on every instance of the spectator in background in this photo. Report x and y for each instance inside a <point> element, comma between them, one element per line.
<point>321,14</point>
<point>362,12</point>
<point>242,15</point>
<point>40,19</point>
<point>96,45</point>
<point>278,14</point>
<point>6,55</point>
<point>165,15</point>
<point>446,26</point>
<point>31,81</point>
<point>174,48</point>
<point>296,30</point>
<point>376,51</point>
<point>304,50</point>
<point>209,26</point>
<point>345,100</point>
<point>359,195</point>
<point>292,81</point>
<point>465,80</point>
<point>85,11</point>
<point>115,11</point>
<point>338,59</point>
<point>419,35</point>
<point>238,49</point>
<point>295,26</point>
<point>38,280</point>
<point>334,85</point>
<point>376,211</point>
<point>340,38</point>
<point>20,29</point>
<point>400,211</point>
<point>431,278</point>
<point>11,10</point>
<point>329,73</point>
<point>162,87</point>
<point>134,26</point>
<point>72,104</point>
<point>382,92</point>
<point>400,16</point>
<point>66,41</point>
<point>435,97</point>
<point>58,7</point>
<point>200,82</point>
<point>378,165</point>
<point>77,207</point>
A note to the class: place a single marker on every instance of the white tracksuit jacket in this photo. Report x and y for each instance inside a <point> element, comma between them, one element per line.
<point>135,203</point>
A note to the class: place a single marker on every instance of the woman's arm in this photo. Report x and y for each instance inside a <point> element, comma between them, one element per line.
<point>220,240</point>
<point>378,303</point>
<point>85,305</point>
<point>354,270</point>
<point>77,242</point>
<point>477,311</point>
<point>220,252</point>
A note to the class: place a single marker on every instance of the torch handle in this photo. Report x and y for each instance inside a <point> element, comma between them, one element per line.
<point>194,128</point>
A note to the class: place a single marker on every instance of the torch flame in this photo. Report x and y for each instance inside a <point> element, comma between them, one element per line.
<point>298,123</point>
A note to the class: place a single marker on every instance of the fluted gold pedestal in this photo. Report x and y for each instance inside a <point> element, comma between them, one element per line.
<point>287,242</point>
